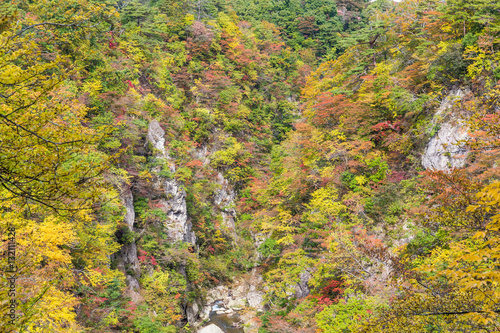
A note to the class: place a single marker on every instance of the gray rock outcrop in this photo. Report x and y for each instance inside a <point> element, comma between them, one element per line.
<point>128,262</point>
<point>173,203</point>
<point>302,288</point>
<point>192,312</point>
<point>177,224</point>
<point>245,293</point>
<point>201,154</point>
<point>156,138</point>
<point>446,150</point>
<point>224,199</point>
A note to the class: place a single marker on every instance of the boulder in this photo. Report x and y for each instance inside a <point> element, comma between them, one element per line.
<point>255,298</point>
<point>212,328</point>
<point>244,293</point>
<point>236,304</point>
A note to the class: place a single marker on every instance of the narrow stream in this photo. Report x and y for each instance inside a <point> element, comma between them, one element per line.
<point>229,323</point>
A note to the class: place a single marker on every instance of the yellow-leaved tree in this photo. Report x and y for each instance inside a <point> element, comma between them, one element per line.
<point>53,183</point>
<point>456,287</point>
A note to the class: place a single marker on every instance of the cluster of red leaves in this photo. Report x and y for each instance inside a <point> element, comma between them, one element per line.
<point>330,294</point>
<point>145,258</point>
<point>194,163</point>
<point>384,128</point>
<point>396,176</point>
<point>370,244</point>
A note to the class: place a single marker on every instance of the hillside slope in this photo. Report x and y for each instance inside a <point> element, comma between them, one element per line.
<point>265,166</point>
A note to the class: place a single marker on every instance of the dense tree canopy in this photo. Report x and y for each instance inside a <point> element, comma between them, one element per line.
<point>289,136</point>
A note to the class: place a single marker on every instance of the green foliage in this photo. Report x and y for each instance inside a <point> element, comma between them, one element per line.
<point>140,205</point>
<point>323,154</point>
<point>307,25</point>
<point>450,66</point>
<point>344,316</point>
<point>378,169</point>
<point>269,248</point>
<point>126,236</point>
<point>229,155</point>
<point>150,325</point>
<point>282,279</point>
<point>161,292</point>
<point>425,241</point>
<point>183,174</point>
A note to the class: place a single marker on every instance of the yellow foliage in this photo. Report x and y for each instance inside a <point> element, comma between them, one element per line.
<point>42,256</point>
<point>93,87</point>
<point>323,201</point>
<point>189,19</point>
<point>458,287</point>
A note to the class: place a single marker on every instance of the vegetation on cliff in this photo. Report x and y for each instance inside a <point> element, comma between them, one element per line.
<point>291,139</point>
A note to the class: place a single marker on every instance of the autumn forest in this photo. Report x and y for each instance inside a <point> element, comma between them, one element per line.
<point>249,166</point>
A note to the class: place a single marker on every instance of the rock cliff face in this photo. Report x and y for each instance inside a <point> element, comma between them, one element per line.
<point>127,260</point>
<point>156,138</point>
<point>445,150</point>
<point>170,198</point>
<point>179,228</point>
<point>192,312</point>
<point>224,201</point>
<point>173,204</point>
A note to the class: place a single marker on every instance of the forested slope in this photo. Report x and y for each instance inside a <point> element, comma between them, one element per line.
<point>309,166</point>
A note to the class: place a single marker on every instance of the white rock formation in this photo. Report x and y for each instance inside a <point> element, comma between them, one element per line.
<point>255,297</point>
<point>156,138</point>
<point>177,224</point>
<point>445,150</point>
<point>224,199</point>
